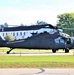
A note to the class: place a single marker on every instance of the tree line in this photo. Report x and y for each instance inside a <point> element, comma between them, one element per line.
<point>66,22</point>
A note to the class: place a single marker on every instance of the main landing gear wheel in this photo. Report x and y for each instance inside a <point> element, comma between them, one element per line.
<point>67,50</point>
<point>53,50</point>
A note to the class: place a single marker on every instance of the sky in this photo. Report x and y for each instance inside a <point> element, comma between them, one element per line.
<point>27,12</point>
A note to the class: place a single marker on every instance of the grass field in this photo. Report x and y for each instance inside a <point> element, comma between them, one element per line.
<point>35,61</point>
<point>23,50</point>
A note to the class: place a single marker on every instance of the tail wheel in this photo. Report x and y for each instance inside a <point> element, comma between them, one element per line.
<point>54,50</point>
<point>8,52</point>
<point>67,50</point>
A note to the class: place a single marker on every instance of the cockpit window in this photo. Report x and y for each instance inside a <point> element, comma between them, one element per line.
<point>61,40</point>
<point>52,30</point>
<point>60,30</point>
<point>57,40</point>
<point>49,30</point>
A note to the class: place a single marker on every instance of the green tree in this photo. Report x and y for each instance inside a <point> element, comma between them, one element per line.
<point>9,37</point>
<point>5,24</point>
<point>66,20</point>
<point>22,24</point>
<point>40,22</point>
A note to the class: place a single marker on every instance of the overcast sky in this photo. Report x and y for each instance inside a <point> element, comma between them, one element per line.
<point>15,12</point>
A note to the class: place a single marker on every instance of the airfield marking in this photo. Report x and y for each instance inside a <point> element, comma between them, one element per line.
<point>33,71</point>
<point>41,71</point>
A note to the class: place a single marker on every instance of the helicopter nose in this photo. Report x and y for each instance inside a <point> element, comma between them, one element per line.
<point>64,35</point>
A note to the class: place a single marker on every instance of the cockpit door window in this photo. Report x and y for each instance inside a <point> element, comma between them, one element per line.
<point>68,41</point>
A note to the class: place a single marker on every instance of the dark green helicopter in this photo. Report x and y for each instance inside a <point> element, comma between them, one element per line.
<point>54,39</point>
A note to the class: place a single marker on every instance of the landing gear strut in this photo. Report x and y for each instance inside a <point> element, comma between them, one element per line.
<point>54,50</point>
<point>67,50</point>
<point>9,51</point>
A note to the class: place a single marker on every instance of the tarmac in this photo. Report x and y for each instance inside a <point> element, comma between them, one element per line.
<point>35,53</point>
<point>33,71</point>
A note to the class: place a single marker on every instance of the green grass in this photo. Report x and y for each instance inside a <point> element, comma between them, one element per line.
<point>36,61</point>
<point>7,61</point>
<point>23,50</point>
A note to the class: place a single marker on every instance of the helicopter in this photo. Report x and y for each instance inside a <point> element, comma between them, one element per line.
<point>43,37</point>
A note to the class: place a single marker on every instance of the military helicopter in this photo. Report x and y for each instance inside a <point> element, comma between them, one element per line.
<point>50,38</point>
